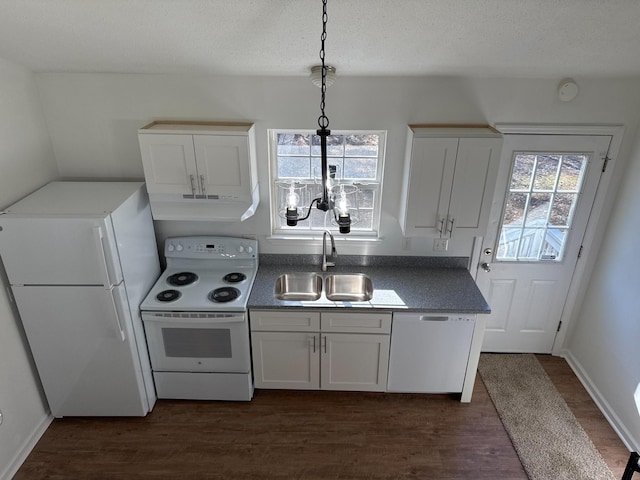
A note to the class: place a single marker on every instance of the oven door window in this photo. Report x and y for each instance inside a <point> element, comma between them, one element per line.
<point>183,346</point>
<point>197,342</point>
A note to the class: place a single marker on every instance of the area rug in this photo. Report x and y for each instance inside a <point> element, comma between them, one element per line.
<point>549,440</point>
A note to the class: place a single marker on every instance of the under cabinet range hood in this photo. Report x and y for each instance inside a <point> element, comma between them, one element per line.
<point>200,170</point>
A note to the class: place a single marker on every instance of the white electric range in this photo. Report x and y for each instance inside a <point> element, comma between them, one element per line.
<point>196,322</point>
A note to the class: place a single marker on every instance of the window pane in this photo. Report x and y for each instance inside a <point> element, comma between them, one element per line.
<point>538,209</point>
<point>362,145</point>
<point>293,167</point>
<point>316,171</point>
<point>571,172</point>
<point>508,245</point>
<point>360,168</point>
<point>522,171</point>
<point>337,163</point>
<point>542,204</point>
<point>546,172</point>
<point>514,209</point>
<point>335,145</point>
<point>365,222</point>
<point>292,144</point>
<point>352,157</point>
<point>563,205</point>
<point>530,243</point>
<point>367,198</point>
<point>553,244</point>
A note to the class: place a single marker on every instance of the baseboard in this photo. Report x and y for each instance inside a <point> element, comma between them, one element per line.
<point>26,448</point>
<point>633,444</point>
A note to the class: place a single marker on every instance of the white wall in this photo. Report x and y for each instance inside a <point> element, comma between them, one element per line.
<point>93,120</point>
<point>26,163</point>
<point>605,342</point>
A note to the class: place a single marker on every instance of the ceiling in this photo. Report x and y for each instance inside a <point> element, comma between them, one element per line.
<point>523,38</point>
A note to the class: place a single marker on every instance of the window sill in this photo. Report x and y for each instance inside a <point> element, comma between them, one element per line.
<point>317,238</point>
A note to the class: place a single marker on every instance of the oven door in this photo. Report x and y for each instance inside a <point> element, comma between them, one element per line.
<point>197,341</point>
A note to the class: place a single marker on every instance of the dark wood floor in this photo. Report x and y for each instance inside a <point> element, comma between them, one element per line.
<point>308,435</point>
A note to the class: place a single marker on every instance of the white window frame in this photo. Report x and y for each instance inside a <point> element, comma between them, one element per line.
<point>373,184</point>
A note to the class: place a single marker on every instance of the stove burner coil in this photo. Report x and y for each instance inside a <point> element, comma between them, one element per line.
<point>234,277</point>
<point>224,294</point>
<point>181,279</point>
<point>168,296</point>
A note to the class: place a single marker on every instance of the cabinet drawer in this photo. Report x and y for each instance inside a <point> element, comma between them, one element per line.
<point>356,322</point>
<point>279,321</point>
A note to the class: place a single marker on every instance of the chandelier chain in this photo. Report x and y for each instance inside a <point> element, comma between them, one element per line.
<point>323,121</point>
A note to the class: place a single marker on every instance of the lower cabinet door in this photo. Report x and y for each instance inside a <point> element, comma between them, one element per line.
<point>289,360</point>
<point>357,362</point>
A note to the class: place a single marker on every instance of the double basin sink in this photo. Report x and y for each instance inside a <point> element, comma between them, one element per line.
<point>338,287</point>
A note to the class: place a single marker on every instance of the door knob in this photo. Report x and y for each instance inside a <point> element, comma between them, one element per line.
<point>485,266</point>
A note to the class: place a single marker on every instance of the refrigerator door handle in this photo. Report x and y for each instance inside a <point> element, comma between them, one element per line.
<point>117,315</point>
<point>97,235</point>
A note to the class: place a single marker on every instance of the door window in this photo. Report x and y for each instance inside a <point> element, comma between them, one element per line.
<point>543,192</point>
<point>197,342</point>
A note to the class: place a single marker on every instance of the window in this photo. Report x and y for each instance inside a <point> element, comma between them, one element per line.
<point>541,200</point>
<point>355,162</point>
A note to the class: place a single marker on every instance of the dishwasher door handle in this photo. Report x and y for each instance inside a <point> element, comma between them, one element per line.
<point>432,318</point>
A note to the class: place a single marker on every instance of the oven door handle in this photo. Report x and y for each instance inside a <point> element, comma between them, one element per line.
<point>209,320</point>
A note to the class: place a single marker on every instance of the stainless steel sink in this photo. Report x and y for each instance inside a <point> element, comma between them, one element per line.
<point>299,286</point>
<point>348,287</point>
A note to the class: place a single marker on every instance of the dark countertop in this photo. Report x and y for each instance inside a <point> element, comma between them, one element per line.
<point>403,284</point>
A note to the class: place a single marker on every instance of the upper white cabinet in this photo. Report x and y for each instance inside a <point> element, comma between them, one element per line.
<point>200,171</point>
<point>449,177</point>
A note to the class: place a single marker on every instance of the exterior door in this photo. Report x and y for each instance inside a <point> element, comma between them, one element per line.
<point>545,191</point>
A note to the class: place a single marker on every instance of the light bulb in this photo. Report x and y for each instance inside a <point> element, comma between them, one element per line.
<point>344,218</point>
<point>342,203</point>
<point>292,207</point>
<point>292,198</point>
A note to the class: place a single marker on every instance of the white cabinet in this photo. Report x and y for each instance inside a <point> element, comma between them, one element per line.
<point>449,177</point>
<point>200,171</point>
<point>357,362</point>
<point>286,360</point>
<point>313,350</point>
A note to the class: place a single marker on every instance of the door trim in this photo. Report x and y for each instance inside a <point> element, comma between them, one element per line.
<point>595,229</point>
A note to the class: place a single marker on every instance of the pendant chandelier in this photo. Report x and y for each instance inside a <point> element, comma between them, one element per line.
<point>329,200</point>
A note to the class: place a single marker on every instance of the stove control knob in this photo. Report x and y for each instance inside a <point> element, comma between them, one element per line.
<point>179,247</point>
<point>240,249</point>
<point>249,249</point>
<point>171,248</point>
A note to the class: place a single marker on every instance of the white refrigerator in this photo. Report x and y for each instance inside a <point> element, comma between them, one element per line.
<point>80,258</point>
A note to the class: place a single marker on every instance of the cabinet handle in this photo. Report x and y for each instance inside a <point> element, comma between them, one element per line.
<point>450,230</point>
<point>314,344</point>
<point>193,187</point>
<point>202,188</point>
<point>440,230</point>
<point>325,344</point>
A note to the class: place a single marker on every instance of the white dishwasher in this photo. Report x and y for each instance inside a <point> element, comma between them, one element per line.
<point>429,352</point>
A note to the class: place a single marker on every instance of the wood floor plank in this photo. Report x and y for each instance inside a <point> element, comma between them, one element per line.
<point>302,435</point>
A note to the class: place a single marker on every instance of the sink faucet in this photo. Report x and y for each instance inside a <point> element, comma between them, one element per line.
<point>334,253</point>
